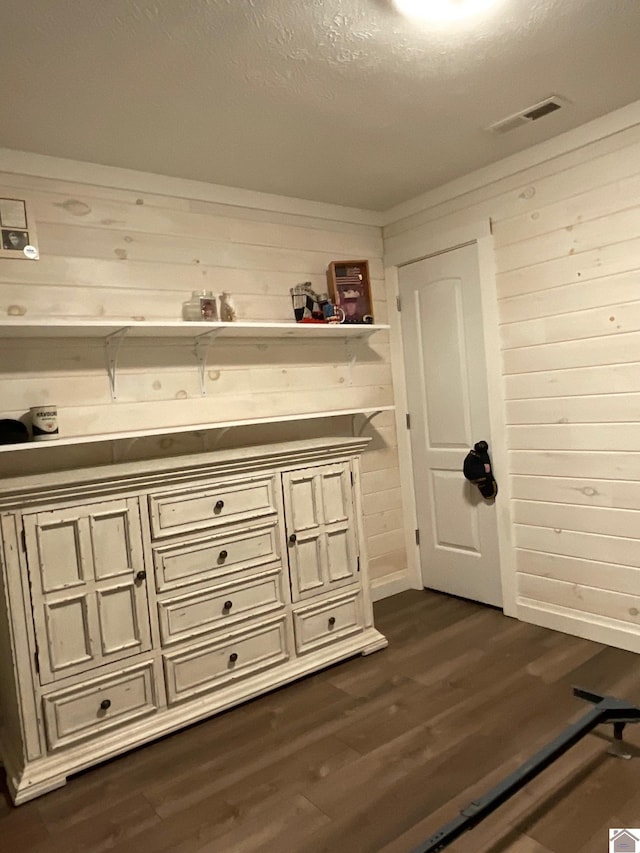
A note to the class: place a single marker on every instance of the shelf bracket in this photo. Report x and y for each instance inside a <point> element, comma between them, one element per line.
<point>112,346</point>
<point>365,423</point>
<point>201,349</point>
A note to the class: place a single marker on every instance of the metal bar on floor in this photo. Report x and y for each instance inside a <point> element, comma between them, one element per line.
<point>607,710</point>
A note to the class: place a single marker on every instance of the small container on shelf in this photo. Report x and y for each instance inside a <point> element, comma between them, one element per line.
<point>350,289</point>
<point>201,306</point>
<point>228,311</point>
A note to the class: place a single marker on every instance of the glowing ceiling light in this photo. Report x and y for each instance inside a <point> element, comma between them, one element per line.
<point>443,10</point>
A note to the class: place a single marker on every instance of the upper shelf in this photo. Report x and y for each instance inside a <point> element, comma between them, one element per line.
<point>58,328</point>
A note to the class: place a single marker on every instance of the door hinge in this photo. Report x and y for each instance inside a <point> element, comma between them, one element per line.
<point>408,420</point>
<point>36,661</point>
<point>398,304</point>
<point>358,564</point>
<point>417,536</point>
<point>23,540</point>
<point>351,473</point>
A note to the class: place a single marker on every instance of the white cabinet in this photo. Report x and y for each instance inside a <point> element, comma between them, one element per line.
<point>88,586</point>
<point>141,597</point>
<point>320,529</point>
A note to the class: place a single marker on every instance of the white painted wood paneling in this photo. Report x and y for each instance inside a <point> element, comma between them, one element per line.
<point>599,409</point>
<point>599,464</point>
<point>590,294</point>
<point>573,490</point>
<point>566,237</point>
<point>576,570</point>
<point>592,380</point>
<point>587,546</point>
<point>112,250</point>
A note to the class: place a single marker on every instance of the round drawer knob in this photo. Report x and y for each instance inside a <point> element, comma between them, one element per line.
<point>105,704</point>
<point>293,539</point>
<point>140,576</point>
<point>227,605</point>
<point>222,556</point>
<point>233,657</point>
<point>332,621</point>
<point>219,506</point>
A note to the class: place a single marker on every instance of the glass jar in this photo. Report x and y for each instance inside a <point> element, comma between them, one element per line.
<point>227,308</point>
<point>195,309</point>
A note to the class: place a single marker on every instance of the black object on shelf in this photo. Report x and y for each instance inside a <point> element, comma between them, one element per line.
<point>13,432</point>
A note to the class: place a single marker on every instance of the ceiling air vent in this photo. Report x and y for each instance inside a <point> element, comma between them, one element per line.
<point>544,108</point>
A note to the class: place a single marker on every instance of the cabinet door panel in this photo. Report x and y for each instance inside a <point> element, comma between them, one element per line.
<point>336,495</point>
<point>119,625</point>
<point>303,501</point>
<point>323,552</point>
<point>308,564</point>
<point>82,618</point>
<point>62,553</point>
<point>340,555</point>
<point>68,632</point>
<point>112,551</point>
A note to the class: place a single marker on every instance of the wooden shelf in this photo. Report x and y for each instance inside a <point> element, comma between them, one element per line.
<point>144,433</point>
<point>203,335</point>
<point>57,328</point>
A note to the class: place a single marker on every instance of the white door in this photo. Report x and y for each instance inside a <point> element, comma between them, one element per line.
<point>447,396</point>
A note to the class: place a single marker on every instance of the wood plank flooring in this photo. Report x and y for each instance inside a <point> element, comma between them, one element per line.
<point>371,755</point>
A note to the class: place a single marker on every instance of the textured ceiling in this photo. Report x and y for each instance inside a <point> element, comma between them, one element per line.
<point>342,101</point>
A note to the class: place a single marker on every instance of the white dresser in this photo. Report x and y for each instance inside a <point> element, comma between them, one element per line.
<point>138,598</point>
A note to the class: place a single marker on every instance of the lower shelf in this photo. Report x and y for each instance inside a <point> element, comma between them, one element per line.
<point>128,435</point>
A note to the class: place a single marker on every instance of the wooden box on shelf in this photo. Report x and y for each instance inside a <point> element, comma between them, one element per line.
<point>350,289</point>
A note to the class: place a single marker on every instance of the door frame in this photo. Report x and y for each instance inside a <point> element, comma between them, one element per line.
<point>421,243</point>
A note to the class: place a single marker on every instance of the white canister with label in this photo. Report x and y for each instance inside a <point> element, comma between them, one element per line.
<point>44,422</point>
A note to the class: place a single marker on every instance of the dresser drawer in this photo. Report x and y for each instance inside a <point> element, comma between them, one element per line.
<point>329,621</point>
<point>215,664</point>
<point>214,556</point>
<point>211,506</point>
<point>187,616</point>
<point>96,706</point>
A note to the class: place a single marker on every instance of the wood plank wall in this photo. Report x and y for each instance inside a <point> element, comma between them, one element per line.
<point>121,254</point>
<point>567,251</point>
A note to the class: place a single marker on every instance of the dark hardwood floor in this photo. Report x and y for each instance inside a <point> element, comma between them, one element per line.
<point>371,755</point>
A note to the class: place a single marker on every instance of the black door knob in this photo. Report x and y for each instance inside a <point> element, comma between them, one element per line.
<point>105,704</point>
<point>332,621</point>
<point>233,657</point>
<point>140,576</point>
<point>219,506</point>
<point>222,556</point>
<point>227,605</point>
<point>293,539</point>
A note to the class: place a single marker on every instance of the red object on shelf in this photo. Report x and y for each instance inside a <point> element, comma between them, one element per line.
<point>350,290</point>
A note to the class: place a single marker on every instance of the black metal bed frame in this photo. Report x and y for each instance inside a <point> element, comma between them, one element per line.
<point>607,710</point>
